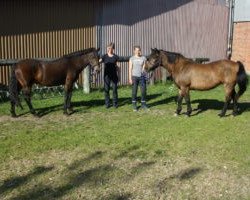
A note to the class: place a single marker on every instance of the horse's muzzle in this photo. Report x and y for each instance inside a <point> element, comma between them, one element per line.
<point>96,70</point>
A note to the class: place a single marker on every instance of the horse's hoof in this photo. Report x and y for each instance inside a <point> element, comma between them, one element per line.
<point>221,115</point>
<point>13,115</point>
<point>176,115</point>
<point>70,111</point>
<point>66,113</point>
<point>188,113</point>
<point>33,112</point>
<point>235,114</point>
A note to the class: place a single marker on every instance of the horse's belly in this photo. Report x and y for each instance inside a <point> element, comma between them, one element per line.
<point>204,84</point>
<point>53,80</point>
<point>56,81</point>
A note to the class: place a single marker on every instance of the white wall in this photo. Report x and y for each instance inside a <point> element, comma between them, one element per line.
<point>242,10</point>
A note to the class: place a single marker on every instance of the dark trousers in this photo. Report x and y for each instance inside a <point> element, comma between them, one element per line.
<point>108,81</point>
<point>136,82</point>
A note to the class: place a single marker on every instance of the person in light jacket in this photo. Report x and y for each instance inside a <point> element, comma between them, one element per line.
<point>137,77</point>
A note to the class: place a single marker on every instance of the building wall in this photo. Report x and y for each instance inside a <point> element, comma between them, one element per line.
<point>241,44</point>
<point>51,28</point>
<point>44,29</point>
<point>195,28</point>
<point>242,8</point>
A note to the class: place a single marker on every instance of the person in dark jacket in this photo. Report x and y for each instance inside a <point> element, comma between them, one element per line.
<point>111,75</point>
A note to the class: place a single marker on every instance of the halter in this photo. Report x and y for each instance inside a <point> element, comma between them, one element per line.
<point>157,64</point>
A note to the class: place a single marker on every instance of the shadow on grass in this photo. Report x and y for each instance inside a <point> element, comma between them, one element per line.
<point>213,104</point>
<point>163,101</point>
<point>127,152</point>
<point>78,163</point>
<point>117,196</point>
<point>85,105</point>
<point>140,168</point>
<point>183,175</point>
<point>186,174</point>
<point>92,178</point>
<point>17,181</point>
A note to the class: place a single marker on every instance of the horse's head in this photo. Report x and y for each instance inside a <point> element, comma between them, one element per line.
<point>154,60</point>
<point>93,57</point>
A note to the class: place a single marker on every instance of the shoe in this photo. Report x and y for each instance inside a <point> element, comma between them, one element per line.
<point>115,105</point>
<point>107,106</point>
<point>144,106</point>
<point>134,107</point>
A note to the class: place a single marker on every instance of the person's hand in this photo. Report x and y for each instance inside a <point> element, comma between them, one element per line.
<point>130,81</point>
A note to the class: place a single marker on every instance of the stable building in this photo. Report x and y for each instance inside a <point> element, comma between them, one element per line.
<point>241,33</point>
<point>52,28</point>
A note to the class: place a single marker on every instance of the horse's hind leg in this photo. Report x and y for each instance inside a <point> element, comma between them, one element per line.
<point>27,98</point>
<point>189,108</point>
<point>229,93</point>
<point>235,103</point>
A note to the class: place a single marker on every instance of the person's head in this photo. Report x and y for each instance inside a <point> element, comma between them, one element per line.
<point>137,50</point>
<point>110,48</point>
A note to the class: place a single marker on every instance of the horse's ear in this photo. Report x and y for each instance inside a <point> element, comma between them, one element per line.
<point>154,50</point>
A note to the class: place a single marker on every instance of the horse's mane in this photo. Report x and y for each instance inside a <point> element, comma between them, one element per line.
<point>79,53</point>
<point>172,56</point>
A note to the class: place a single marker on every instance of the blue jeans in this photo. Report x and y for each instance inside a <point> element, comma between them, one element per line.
<point>136,82</point>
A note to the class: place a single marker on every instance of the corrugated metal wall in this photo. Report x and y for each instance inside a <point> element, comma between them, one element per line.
<point>194,28</point>
<point>44,29</point>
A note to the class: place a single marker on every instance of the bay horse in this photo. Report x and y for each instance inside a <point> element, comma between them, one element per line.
<point>189,75</point>
<point>63,71</point>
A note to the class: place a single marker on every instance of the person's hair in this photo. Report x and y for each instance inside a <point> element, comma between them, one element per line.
<point>137,47</point>
<point>111,45</point>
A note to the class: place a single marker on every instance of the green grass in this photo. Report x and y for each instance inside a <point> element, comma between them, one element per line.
<point>119,154</point>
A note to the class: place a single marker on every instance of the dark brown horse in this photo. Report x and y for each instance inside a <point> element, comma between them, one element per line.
<point>63,71</point>
<point>189,75</point>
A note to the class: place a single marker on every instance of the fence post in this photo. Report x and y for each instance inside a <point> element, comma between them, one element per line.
<point>163,75</point>
<point>152,79</point>
<point>86,80</point>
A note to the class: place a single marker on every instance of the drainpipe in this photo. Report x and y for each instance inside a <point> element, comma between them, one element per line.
<point>230,28</point>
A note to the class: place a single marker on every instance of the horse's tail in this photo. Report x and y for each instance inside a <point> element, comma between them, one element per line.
<point>242,79</point>
<point>13,88</point>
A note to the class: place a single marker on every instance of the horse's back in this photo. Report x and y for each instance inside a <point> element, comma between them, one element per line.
<point>47,73</point>
<point>209,75</point>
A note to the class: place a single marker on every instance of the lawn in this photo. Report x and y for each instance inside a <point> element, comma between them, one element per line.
<point>118,154</point>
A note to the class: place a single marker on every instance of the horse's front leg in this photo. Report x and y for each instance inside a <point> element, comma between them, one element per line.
<point>179,103</point>
<point>69,107</point>
<point>67,97</point>
<point>13,109</point>
<point>67,103</point>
